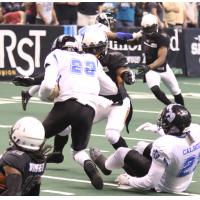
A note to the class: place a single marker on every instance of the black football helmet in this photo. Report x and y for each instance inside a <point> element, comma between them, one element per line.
<point>65,42</point>
<point>149,25</point>
<point>174,118</point>
<point>106,18</point>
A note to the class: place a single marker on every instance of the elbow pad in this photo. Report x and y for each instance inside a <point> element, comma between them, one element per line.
<point>124,36</point>
<point>13,184</point>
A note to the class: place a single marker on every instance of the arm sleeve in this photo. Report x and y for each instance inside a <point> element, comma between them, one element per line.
<point>13,183</point>
<point>50,77</point>
<point>108,87</point>
<point>151,179</point>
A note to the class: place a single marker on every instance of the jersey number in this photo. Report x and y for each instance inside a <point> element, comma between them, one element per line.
<point>77,67</point>
<point>189,165</point>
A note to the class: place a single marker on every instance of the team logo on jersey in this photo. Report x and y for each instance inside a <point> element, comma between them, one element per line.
<point>155,154</point>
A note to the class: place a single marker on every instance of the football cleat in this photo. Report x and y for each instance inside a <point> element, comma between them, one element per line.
<point>25,98</point>
<point>55,157</point>
<point>93,174</point>
<point>99,159</point>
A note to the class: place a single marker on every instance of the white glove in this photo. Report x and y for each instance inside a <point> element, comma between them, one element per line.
<point>151,127</point>
<point>137,35</point>
<point>122,179</point>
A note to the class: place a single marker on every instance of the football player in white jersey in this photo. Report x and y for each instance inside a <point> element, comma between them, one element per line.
<point>104,22</point>
<point>118,115</point>
<point>173,156</point>
<point>74,82</point>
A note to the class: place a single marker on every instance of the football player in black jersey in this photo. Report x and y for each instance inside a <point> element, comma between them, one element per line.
<point>155,45</point>
<point>23,163</point>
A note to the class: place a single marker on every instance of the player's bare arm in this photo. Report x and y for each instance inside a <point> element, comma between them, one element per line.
<point>162,55</point>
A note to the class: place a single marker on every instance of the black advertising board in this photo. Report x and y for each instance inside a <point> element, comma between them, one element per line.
<point>24,48</point>
<point>192,51</point>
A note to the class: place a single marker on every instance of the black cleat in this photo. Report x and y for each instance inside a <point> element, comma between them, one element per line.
<point>25,98</point>
<point>93,174</point>
<point>55,157</point>
<point>99,159</point>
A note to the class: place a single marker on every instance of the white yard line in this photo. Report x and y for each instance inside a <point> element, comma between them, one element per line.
<point>127,138</point>
<point>5,126</point>
<point>190,83</point>
<point>108,184</point>
<point>58,192</point>
<point>74,180</point>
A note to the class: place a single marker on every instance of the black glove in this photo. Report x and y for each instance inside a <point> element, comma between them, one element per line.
<point>23,81</point>
<point>142,69</point>
<point>128,77</point>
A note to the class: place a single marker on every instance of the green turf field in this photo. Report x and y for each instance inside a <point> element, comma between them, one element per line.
<point>69,178</point>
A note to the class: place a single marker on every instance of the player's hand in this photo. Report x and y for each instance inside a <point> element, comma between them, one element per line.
<point>142,69</point>
<point>128,77</point>
<point>54,93</point>
<point>122,179</point>
<point>137,35</point>
<point>23,81</point>
<point>151,127</point>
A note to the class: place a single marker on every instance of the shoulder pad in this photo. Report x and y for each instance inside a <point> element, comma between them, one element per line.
<point>117,59</point>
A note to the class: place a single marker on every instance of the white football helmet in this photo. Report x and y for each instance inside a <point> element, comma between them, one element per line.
<point>149,24</point>
<point>28,133</point>
<point>95,41</point>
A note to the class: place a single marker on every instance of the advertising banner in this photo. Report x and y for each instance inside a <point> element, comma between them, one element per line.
<point>192,51</point>
<point>24,48</point>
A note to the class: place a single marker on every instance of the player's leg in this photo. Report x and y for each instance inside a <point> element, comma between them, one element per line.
<point>80,134</point>
<point>116,123</point>
<point>60,141</point>
<point>171,82</point>
<point>153,81</point>
<point>26,95</point>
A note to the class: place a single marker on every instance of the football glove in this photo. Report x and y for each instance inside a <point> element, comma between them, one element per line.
<point>122,179</point>
<point>142,69</point>
<point>151,127</point>
<point>137,35</point>
<point>23,81</point>
<point>128,77</point>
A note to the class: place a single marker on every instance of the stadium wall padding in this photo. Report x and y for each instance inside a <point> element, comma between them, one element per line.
<point>23,49</point>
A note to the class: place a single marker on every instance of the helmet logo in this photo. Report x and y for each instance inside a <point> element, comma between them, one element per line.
<point>170,115</point>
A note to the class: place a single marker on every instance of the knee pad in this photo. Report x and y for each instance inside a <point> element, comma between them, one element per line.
<point>65,132</point>
<point>112,136</point>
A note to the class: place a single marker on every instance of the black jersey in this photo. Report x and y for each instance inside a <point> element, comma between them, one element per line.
<point>111,62</point>
<point>30,168</point>
<point>151,45</point>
